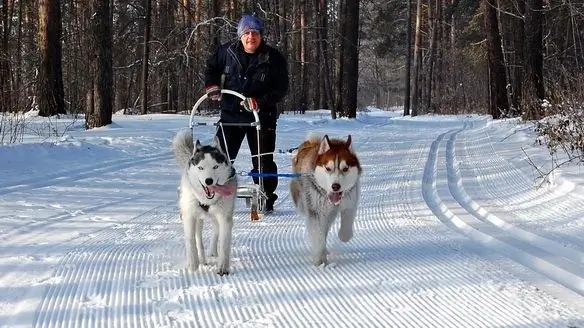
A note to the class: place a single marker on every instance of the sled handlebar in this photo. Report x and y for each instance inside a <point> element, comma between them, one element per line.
<point>231,92</point>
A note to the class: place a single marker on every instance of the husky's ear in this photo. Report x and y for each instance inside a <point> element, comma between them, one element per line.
<point>324,145</point>
<point>349,143</point>
<point>197,146</point>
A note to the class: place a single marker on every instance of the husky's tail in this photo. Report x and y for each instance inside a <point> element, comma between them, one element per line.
<point>183,147</point>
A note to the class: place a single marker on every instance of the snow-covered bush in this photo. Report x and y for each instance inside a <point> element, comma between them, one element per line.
<point>563,133</point>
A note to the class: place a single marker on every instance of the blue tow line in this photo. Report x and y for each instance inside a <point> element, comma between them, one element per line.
<point>285,175</point>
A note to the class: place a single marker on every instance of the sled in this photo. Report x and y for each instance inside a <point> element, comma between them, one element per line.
<point>254,195</point>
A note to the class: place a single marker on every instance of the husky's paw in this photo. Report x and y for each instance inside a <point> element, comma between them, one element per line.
<point>345,234</point>
<point>222,271</point>
<point>319,260</point>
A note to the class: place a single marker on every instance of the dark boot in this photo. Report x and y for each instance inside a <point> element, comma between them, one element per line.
<point>270,202</point>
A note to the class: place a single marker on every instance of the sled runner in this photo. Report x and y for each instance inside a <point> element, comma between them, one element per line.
<point>254,195</point>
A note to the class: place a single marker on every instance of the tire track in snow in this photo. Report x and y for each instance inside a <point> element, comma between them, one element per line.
<point>458,191</point>
<point>79,173</point>
<point>525,205</point>
<point>471,223</point>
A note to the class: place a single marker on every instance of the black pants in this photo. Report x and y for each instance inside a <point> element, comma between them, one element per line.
<point>234,137</point>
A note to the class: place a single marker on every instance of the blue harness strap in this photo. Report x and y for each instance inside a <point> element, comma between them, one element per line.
<point>285,175</point>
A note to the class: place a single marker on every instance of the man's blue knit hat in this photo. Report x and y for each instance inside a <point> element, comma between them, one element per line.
<point>249,23</point>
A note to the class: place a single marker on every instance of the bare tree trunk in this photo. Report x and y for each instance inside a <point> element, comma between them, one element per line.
<point>350,72</point>
<point>5,71</point>
<point>498,101</point>
<point>303,55</point>
<point>432,23</point>
<point>100,97</point>
<point>50,83</point>
<point>123,72</point>
<point>518,36</point>
<point>324,54</point>
<point>19,97</point>
<point>439,51</point>
<point>408,76</point>
<point>339,108</point>
<point>295,58</point>
<point>417,60</point>
<point>534,91</point>
<point>168,86</point>
<point>145,56</point>
<point>283,40</point>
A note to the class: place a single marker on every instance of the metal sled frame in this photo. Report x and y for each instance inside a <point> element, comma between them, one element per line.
<point>254,195</point>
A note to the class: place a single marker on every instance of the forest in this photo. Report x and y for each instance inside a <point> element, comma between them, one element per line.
<point>506,58</point>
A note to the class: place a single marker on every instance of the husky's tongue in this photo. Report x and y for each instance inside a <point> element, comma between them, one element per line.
<point>223,190</point>
<point>335,197</point>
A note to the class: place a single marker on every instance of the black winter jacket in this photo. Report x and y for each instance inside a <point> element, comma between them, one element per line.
<point>266,80</point>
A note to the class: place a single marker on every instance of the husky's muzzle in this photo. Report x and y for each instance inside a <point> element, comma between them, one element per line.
<point>208,188</point>
<point>336,195</point>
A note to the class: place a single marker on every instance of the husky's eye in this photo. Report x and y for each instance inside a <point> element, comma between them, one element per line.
<point>200,168</point>
<point>345,169</point>
<point>328,169</point>
<point>215,167</point>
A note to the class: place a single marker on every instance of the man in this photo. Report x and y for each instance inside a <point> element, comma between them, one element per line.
<point>260,73</point>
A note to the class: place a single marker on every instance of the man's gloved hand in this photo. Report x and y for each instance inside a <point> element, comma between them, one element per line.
<point>213,92</point>
<point>250,104</point>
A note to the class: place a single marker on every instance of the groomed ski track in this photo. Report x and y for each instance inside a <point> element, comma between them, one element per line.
<point>449,234</point>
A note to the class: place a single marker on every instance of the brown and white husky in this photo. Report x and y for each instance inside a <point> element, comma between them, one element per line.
<point>328,185</point>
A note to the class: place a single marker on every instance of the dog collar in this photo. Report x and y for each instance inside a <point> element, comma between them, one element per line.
<point>205,207</point>
<point>232,175</point>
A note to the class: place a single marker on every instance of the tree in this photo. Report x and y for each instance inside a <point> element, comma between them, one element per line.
<point>498,101</point>
<point>433,17</point>
<point>146,55</point>
<point>323,54</point>
<point>408,76</point>
<point>5,71</point>
<point>100,95</point>
<point>51,95</point>
<point>303,54</point>
<point>533,91</point>
<point>417,61</point>
<point>350,50</point>
<point>450,71</point>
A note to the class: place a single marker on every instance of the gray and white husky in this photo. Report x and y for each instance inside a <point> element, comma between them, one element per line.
<point>207,189</point>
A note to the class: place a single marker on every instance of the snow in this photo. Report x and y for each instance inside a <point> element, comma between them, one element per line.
<point>454,230</point>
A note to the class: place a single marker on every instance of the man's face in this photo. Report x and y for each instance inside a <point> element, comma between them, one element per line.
<point>251,41</point>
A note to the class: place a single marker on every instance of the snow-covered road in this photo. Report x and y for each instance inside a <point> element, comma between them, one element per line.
<point>451,232</point>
